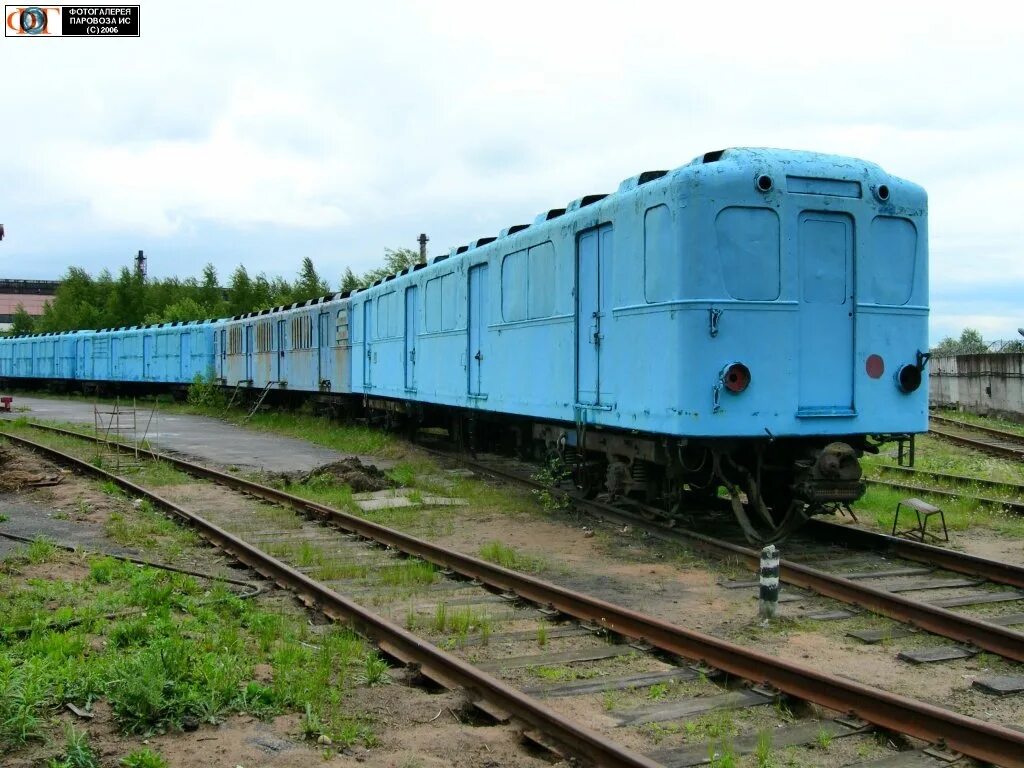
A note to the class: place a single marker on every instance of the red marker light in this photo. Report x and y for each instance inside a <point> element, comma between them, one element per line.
<point>736,378</point>
<point>875,366</point>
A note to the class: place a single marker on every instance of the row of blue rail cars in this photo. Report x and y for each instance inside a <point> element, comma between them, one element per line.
<point>756,319</point>
<point>172,353</point>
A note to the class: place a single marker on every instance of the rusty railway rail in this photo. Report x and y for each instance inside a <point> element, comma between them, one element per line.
<point>975,738</point>
<point>947,477</point>
<point>1010,444</point>
<point>940,621</point>
<point>1006,434</point>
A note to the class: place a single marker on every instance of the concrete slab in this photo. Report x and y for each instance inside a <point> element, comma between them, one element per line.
<point>387,493</point>
<point>1001,685</point>
<point>209,440</point>
<point>932,655</point>
<point>873,636</point>
<point>400,502</point>
<point>831,615</point>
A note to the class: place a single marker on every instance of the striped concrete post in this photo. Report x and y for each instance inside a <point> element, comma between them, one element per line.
<point>768,605</point>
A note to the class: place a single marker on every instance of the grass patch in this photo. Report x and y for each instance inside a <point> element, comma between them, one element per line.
<point>508,557</point>
<point>77,752</point>
<point>41,550</point>
<point>144,527</point>
<point>878,505</point>
<point>337,571</point>
<point>190,655</point>
<point>410,573</point>
<point>143,758</point>
<point>345,438</point>
<point>565,673</point>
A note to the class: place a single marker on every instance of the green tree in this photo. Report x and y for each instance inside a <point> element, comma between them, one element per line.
<point>969,343</point>
<point>242,293</point>
<point>126,302</point>
<point>185,308</point>
<point>211,295</point>
<point>22,322</point>
<point>77,303</point>
<point>349,281</point>
<point>395,260</point>
<point>309,285</point>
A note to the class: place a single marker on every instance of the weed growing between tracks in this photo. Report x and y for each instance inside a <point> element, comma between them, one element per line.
<point>508,557</point>
<point>178,653</point>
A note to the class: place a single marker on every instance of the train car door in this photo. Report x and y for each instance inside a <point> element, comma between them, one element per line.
<point>478,349</point>
<point>148,352</point>
<point>324,347</point>
<point>87,362</point>
<point>825,244</point>
<point>368,351</point>
<point>250,352</point>
<point>71,359</point>
<point>114,364</point>
<point>222,358</point>
<point>186,356</point>
<point>410,337</point>
<point>282,359</point>
<point>593,269</point>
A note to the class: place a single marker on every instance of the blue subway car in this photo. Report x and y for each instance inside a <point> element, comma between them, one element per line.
<point>148,357</point>
<point>754,320</point>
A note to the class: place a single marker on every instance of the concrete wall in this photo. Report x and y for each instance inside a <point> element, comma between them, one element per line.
<point>989,384</point>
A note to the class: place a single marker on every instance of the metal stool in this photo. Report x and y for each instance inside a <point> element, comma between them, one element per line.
<point>924,512</point>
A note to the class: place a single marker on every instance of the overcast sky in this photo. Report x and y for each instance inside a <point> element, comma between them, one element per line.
<point>259,133</point>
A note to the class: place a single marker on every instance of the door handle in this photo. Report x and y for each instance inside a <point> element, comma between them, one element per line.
<point>478,355</point>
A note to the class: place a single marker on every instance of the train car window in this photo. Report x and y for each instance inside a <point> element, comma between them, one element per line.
<point>892,260</point>
<point>397,315</point>
<point>389,315</point>
<point>514,286</point>
<point>432,306</point>
<point>382,316</point>
<point>541,279</point>
<point>448,302</point>
<point>342,330</point>
<point>748,252</point>
<point>235,340</point>
<point>302,332</point>
<point>663,264</point>
<point>824,243</point>
<point>264,337</point>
